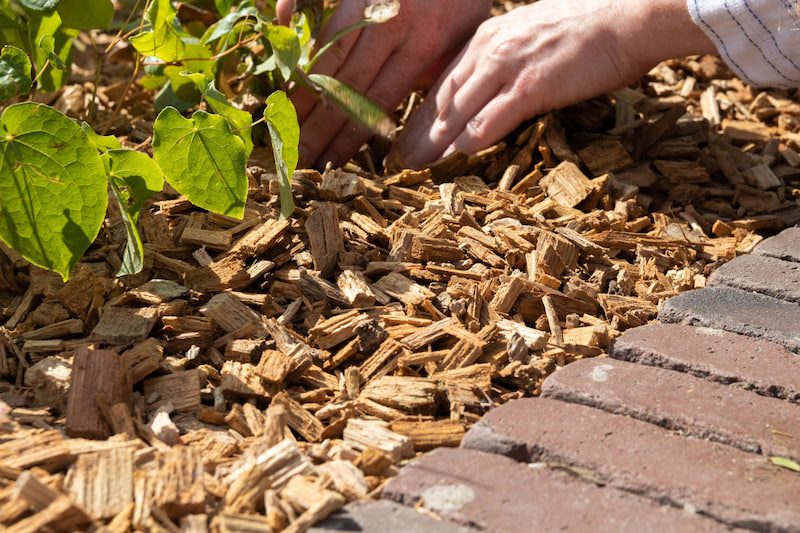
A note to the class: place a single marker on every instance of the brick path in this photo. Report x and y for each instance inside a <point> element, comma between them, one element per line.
<point>672,433</point>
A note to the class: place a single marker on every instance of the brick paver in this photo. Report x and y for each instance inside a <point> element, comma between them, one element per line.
<point>737,311</point>
<point>731,485</point>
<point>713,354</point>
<point>672,433</point>
<point>784,246</point>
<point>494,493</point>
<point>762,274</point>
<point>385,517</point>
<point>695,407</point>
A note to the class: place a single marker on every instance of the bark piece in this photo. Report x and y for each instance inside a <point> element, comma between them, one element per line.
<point>95,372</point>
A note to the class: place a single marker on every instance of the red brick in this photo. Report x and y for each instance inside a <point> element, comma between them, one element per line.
<point>693,406</point>
<point>784,246</point>
<point>386,517</point>
<point>737,311</point>
<point>761,366</point>
<point>765,275</point>
<point>494,493</point>
<point>725,483</point>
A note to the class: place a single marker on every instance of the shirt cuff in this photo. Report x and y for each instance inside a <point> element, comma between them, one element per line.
<point>758,39</point>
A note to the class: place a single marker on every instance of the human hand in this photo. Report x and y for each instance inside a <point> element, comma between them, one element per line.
<point>383,62</point>
<point>541,57</point>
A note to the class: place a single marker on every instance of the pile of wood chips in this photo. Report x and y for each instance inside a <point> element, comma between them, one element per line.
<point>262,373</point>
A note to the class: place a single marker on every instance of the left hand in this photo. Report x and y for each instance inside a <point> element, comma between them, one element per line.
<point>384,62</point>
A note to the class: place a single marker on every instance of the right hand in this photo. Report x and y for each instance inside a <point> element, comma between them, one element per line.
<point>384,62</point>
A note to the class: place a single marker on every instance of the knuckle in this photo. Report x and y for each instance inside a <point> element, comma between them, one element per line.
<point>476,129</point>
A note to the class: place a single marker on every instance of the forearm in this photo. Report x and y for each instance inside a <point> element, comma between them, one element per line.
<point>661,30</point>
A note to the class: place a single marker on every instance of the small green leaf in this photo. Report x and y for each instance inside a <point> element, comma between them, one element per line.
<point>47,44</point>
<point>239,121</point>
<point>15,73</point>
<point>286,46</point>
<point>53,195</point>
<point>356,106</point>
<point>784,462</point>
<point>203,160</point>
<point>162,39</point>
<point>284,133</point>
<point>133,255</point>
<point>103,143</point>
<point>40,6</point>
<point>139,174</point>
<point>86,14</point>
<point>224,26</point>
<point>52,78</point>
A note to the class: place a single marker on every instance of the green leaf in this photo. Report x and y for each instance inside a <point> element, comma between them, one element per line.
<point>203,160</point>
<point>226,24</point>
<point>356,106</point>
<point>47,44</point>
<point>239,121</point>
<point>40,6</point>
<point>53,195</point>
<point>286,46</point>
<point>784,462</point>
<point>103,143</point>
<point>52,78</point>
<point>162,40</point>
<point>139,174</point>
<point>133,255</point>
<point>15,73</point>
<point>284,133</point>
<point>86,14</point>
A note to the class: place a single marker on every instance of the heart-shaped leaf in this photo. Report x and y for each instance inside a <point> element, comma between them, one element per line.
<point>15,72</point>
<point>53,194</point>
<point>240,121</point>
<point>202,159</point>
<point>162,39</point>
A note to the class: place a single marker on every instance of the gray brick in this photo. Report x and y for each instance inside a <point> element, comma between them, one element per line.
<point>763,367</point>
<point>736,487</point>
<point>737,311</point>
<point>784,246</point>
<point>676,401</point>
<point>384,516</point>
<point>494,493</point>
<point>765,275</point>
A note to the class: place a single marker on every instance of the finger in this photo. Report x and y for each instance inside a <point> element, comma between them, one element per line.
<point>347,14</point>
<point>453,117</point>
<point>367,59</point>
<point>284,10</point>
<point>496,120</point>
<point>456,74</point>
<point>392,84</point>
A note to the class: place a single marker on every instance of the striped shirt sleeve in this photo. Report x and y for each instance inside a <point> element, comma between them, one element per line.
<point>759,39</point>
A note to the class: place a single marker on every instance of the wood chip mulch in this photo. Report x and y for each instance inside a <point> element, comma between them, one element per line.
<point>262,373</point>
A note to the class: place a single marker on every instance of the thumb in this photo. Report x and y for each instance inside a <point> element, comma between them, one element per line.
<point>284,9</point>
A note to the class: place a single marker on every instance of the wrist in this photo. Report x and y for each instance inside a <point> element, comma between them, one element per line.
<point>661,29</point>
